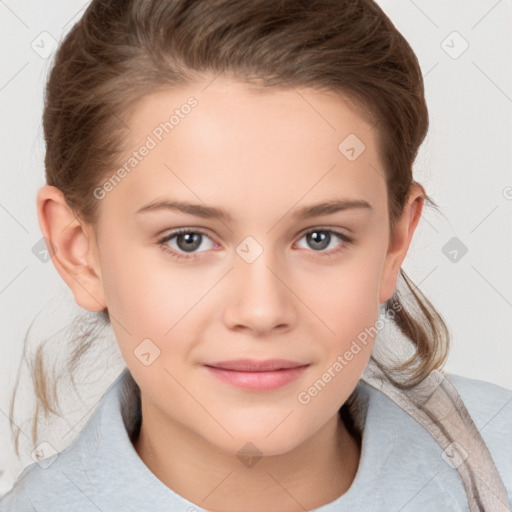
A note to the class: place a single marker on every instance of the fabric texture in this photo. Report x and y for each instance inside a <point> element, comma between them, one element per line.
<point>446,446</point>
<point>437,406</point>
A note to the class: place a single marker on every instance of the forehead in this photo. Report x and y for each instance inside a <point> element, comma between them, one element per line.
<point>229,142</point>
<point>224,106</point>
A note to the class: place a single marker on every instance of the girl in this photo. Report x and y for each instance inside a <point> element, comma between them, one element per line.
<point>229,185</point>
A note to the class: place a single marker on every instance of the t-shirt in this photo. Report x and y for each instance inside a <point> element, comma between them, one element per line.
<point>402,467</point>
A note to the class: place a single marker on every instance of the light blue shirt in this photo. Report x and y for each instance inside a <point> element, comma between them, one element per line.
<point>402,468</point>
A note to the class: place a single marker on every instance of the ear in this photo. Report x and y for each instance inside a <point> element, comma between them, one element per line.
<point>72,248</point>
<point>400,240</point>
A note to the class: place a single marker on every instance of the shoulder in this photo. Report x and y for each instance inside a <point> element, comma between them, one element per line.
<point>486,402</point>
<point>490,407</point>
<point>50,484</point>
<point>73,475</point>
<point>31,479</point>
<point>402,463</point>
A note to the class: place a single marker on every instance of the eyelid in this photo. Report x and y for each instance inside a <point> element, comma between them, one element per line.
<point>339,232</point>
<point>183,256</point>
<point>333,229</point>
<point>204,231</point>
<point>346,241</point>
<point>179,231</point>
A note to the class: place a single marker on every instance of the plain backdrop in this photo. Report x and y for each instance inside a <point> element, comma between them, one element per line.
<point>459,259</point>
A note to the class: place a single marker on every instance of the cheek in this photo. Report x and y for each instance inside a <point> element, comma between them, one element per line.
<point>142,298</point>
<point>141,290</point>
<point>150,298</point>
<point>349,298</point>
<point>351,312</point>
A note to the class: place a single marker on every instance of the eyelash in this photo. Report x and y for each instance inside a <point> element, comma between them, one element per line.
<point>162,243</point>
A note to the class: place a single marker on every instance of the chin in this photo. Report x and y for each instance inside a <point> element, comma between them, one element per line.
<point>258,442</point>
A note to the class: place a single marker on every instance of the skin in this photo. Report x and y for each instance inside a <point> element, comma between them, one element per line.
<point>260,156</point>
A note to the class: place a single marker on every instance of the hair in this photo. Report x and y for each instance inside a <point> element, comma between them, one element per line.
<point>121,51</point>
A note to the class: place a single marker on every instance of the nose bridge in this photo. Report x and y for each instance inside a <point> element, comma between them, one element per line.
<point>260,300</point>
<point>257,266</point>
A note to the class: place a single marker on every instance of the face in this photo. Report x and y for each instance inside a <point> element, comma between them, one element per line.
<point>263,276</point>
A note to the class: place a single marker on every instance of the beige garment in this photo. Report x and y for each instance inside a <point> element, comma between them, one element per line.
<point>437,406</point>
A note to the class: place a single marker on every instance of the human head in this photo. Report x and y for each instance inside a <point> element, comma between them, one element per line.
<point>117,56</point>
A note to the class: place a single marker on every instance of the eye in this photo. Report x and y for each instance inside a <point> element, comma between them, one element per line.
<point>187,241</point>
<point>320,239</point>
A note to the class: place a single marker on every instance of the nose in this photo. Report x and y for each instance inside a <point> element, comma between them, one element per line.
<point>260,300</point>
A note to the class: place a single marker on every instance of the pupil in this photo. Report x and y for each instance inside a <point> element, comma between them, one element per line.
<point>323,237</point>
<point>192,241</point>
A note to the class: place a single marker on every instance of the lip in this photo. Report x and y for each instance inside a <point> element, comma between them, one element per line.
<point>253,365</point>
<point>256,375</point>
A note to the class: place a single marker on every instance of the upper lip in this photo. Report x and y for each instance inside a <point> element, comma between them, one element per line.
<point>253,365</point>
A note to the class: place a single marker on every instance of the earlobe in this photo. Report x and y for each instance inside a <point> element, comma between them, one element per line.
<point>69,244</point>
<point>400,241</point>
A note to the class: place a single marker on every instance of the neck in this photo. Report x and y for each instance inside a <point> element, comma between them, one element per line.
<point>314,473</point>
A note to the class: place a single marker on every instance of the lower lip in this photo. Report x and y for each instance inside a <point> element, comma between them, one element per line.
<point>258,381</point>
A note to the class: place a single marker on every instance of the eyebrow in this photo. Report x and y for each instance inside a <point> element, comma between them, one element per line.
<point>207,212</point>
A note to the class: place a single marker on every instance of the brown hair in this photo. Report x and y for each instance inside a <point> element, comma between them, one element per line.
<point>121,51</point>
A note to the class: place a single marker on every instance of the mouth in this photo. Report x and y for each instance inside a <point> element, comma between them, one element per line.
<point>253,365</point>
<point>256,375</point>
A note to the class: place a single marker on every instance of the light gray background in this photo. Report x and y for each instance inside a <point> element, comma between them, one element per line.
<point>464,164</point>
